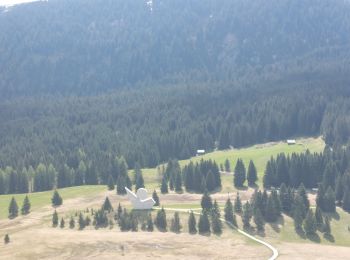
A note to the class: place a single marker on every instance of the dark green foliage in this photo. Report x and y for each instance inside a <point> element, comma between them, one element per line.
<point>310,225</point>
<point>327,226</point>
<point>178,182</point>
<point>107,206</point>
<point>216,223</point>
<point>247,215</point>
<point>110,184</point>
<point>286,198</point>
<point>81,221</point>
<point>319,219</point>
<point>62,223</point>
<point>238,204</point>
<point>252,175</point>
<point>273,207</point>
<point>71,222</point>
<point>119,211</point>
<point>100,218</point>
<point>303,194</point>
<point>227,166</point>
<point>13,208</point>
<point>259,220</point>
<point>175,224</point>
<point>139,182</point>
<point>160,221</point>
<point>229,211</point>
<point>54,219</point>
<point>87,221</point>
<point>339,189</point>
<point>206,202</point>
<point>192,229</point>
<point>239,176</point>
<point>204,224</point>
<point>155,198</point>
<point>164,186</point>
<point>346,199</point>
<point>298,212</point>
<point>26,206</point>
<point>7,239</point>
<point>329,201</point>
<point>134,223</point>
<point>150,223</point>
<point>56,199</point>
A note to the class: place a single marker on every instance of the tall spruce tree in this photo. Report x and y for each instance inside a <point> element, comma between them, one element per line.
<point>259,220</point>
<point>252,175</point>
<point>62,223</point>
<point>175,224</point>
<point>346,199</point>
<point>192,229</point>
<point>238,204</point>
<point>310,225</point>
<point>329,201</point>
<point>54,219</point>
<point>303,194</point>
<point>110,183</point>
<point>327,226</point>
<point>107,206</point>
<point>164,186</point>
<point>7,239</point>
<point>203,223</point>
<point>239,174</point>
<point>150,223</point>
<point>56,199</point>
<point>161,221</point>
<point>206,202</point>
<point>155,198</point>
<point>178,182</point>
<point>319,219</point>
<point>71,222</point>
<point>247,215</point>
<point>216,223</point>
<point>229,211</point>
<point>13,208</point>
<point>26,206</point>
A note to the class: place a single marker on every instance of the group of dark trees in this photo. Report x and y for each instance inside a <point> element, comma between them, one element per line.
<point>240,175</point>
<point>13,207</point>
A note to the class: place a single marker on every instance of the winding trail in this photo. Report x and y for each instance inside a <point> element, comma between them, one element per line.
<point>274,250</point>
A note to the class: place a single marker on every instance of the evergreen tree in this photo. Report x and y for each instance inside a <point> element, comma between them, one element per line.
<point>107,206</point>
<point>329,201</point>
<point>13,208</point>
<point>121,184</point>
<point>339,189</point>
<point>238,204</point>
<point>164,185</point>
<point>320,196</point>
<point>229,211</point>
<point>26,206</point>
<point>155,198</point>
<point>192,229</point>
<point>303,194</point>
<point>286,198</point>
<point>216,209</point>
<point>346,199</point>
<point>327,227</point>
<point>310,225</point>
<point>54,219</point>
<point>175,223</point>
<point>110,184</point>
<point>81,221</point>
<point>139,181</point>
<point>178,182</point>
<point>247,215</point>
<point>319,219</point>
<point>161,221</point>
<point>206,202</point>
<point>119,211</point>
<point>259,220</point>
<point>56,199</point>
<point>210,181</point>
<point>62,223</point>
<point>149,223</point>
<point>252,175</point>
<point>7,239</point>
<point>216,223</point>
<point>71,222</point>
<point>203,223</point>
<point>298,212</point>
<point>239,174</point>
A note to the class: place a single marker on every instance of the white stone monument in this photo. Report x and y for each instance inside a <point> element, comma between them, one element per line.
<point>140,200</point>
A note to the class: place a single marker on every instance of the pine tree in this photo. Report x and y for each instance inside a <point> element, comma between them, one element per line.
<point>329,201</point>
<point>310,225</point>
<point>238,204</point>
<point>175,223</point>
<point>203,223</point>
<point>339,189</point>
<point>119,211</point>
<point>303,194</point>
<point>110,183</point>
<point>206,202</point>
<point>161,221</point>
<point>71,222</point>
<point>155,198</point>
<point>286,198</point>
<point>298,212</point>
<point>216,209</point>
<point>247,215</point>
<point>121,184</point>
<point>239,174</point>
<point>216,223</point>
<point>7,239</point>
<point>229,211</point>
<point>164,186</point>
<point>320,196</point>
<point>107,206</point>
<point>327,227</point>
<point>13,208</point>
<point>319,219</point>
<point>259,220</point>
<point>346,199</point>
<point>26,206</point>
<point>252,175</point>
<point>81,221</point>
<point>210,181</point>
<point>192,229</point>
<point>178,182</point>
<point>56,199</point>
<point>149,223</point>
<point>54,219</point>
<point>139,181</point>
<point>62,223</point>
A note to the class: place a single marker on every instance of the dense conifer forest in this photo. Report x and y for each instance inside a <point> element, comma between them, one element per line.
<point>92,88</point>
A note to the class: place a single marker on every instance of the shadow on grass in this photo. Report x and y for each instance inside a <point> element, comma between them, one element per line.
<point>300,233</point>
<point>314,238</point>
<point>276,225</point>
<point>329,237</point>
<point>334,215</point>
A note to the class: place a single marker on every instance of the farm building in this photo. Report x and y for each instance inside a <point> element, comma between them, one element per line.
<point>291,142</point>
<point>200,152</point>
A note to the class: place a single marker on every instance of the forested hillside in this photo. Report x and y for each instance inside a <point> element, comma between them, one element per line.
<point>89,80</point>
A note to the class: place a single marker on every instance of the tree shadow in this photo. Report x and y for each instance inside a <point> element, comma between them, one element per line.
<point>261,233</point>
<point>300,233</point>
<point>334,215</point>
<point>243,188</point>
<point>314,238</point>
<point>329,237</point>
<point>276,225</point>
